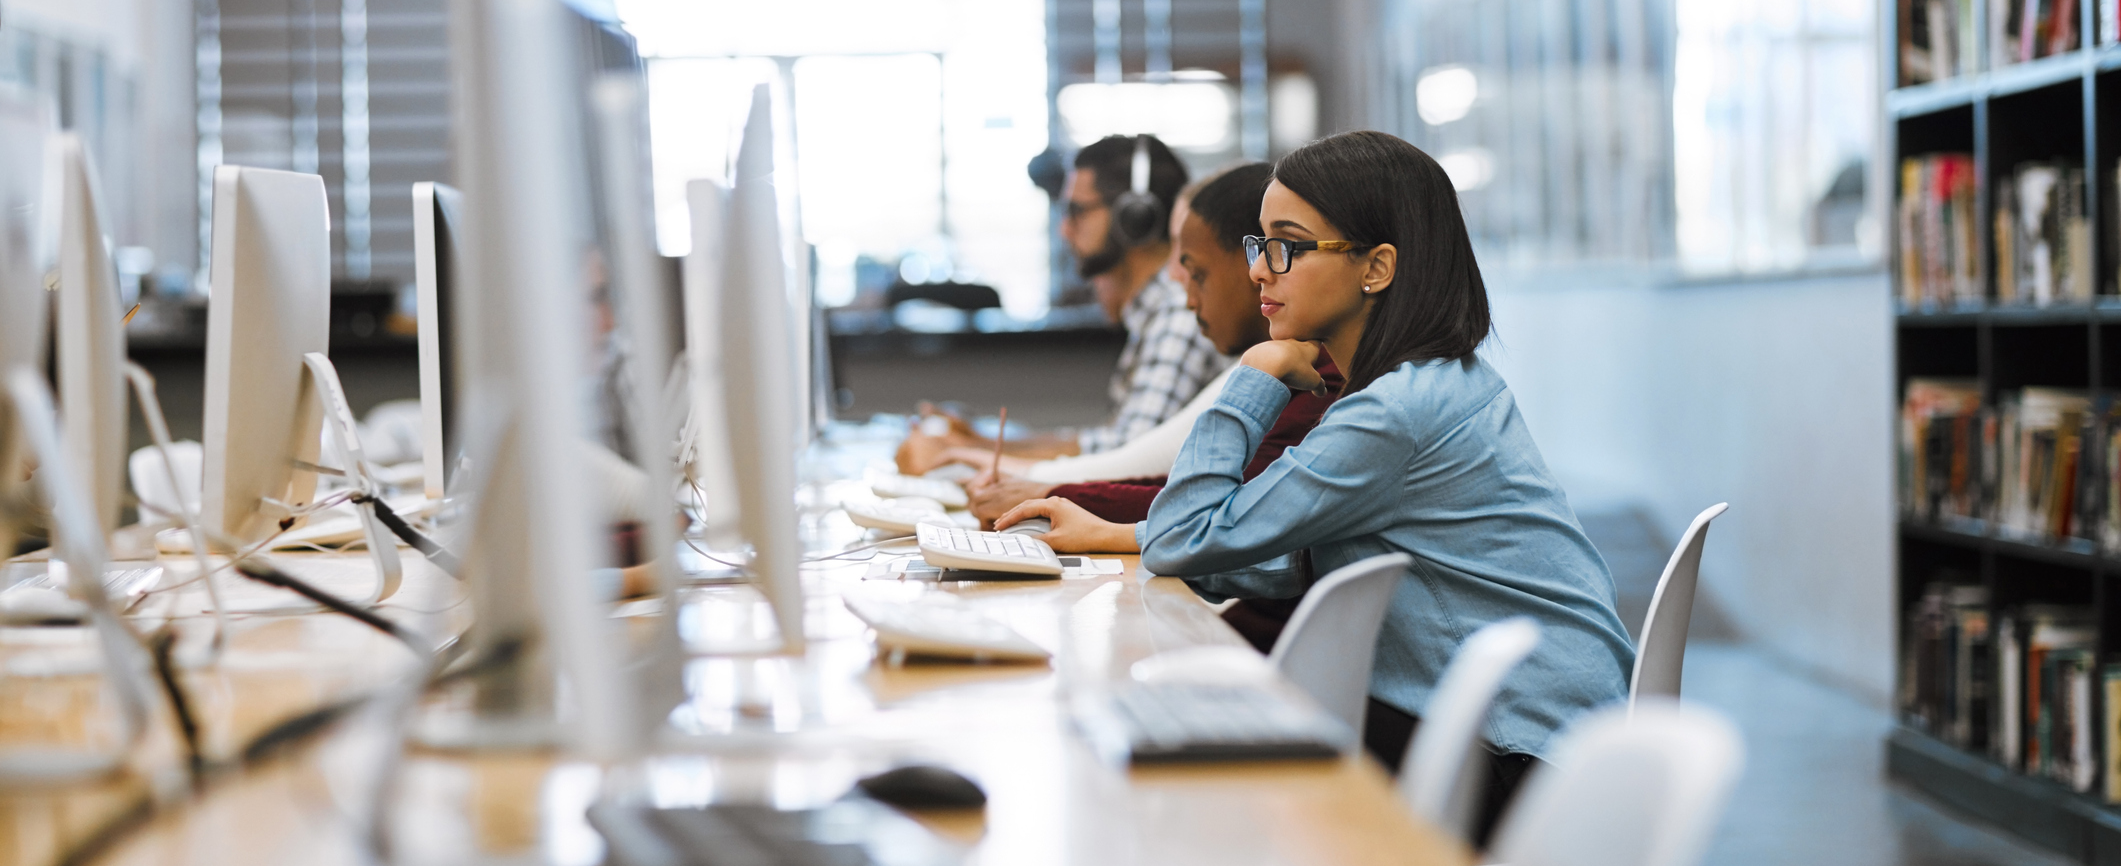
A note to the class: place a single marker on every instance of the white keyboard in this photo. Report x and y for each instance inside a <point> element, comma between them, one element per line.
<point>973,550</point>
<point>895,515</point>
<point>892,486</point>
<point>946,630</point>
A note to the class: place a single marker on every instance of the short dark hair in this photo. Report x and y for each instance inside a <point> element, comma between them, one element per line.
<point>1377,189</point>
<point>1229,202</point>
<point>1112,157</point>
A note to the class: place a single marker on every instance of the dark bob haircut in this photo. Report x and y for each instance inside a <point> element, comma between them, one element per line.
<point>1229,203</point>
<point>1377,189</point>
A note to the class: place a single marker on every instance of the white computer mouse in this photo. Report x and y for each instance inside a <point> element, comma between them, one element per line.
<point>38,605</point>
<point>1203,664</point>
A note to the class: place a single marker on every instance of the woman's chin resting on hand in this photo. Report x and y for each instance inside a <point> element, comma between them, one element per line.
<point>1075,530</point>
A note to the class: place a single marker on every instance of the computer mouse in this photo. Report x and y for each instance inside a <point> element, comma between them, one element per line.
<point>1030,526</point>
<point>923,786</point>
<point>1203,664</point>
<point>37,605</point>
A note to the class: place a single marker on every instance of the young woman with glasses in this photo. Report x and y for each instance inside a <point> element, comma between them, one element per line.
<point>1366,259</point>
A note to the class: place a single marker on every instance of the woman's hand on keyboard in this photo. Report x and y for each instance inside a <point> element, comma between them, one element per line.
<point>1075,530</point>
<point>991,501</point>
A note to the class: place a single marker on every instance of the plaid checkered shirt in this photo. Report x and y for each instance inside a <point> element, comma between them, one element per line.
<point>1164,364</point>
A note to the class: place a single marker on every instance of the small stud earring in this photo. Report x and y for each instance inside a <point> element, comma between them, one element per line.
<point>1366,290</point>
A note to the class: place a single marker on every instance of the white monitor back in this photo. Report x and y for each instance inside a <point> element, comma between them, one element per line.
<point>91,337</point>
<point>760,359</point>
<point>435,217</point>
<point>713,469</point>
<point>518,326</point>
<point>24,132</point>
<point>25,211</point>
<point>271,303</point>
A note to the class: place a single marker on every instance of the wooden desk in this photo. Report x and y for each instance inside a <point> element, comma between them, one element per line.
<point>789,731</point>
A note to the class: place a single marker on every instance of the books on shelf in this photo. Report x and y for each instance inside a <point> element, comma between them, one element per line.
<point>2021,30</point>
<point>2020,688</point>
<point>2059,647</point>
<point>2043,236</point>
<point>1943,429</point>
<point>2040,464</point>
<point>1939,258</point>
<point>1948,683</point>
<point>1936,39</point>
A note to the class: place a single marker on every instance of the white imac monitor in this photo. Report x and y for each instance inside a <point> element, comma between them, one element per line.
<point>712,468</point>
<point>24,129</point>
<point>78,542</point>
<point>91,337</point>
<point>436,210</point>
<point>271,304</point>
<point>532,537</point>
<point>760,395</point>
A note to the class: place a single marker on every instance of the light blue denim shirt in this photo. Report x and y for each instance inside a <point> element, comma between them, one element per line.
<point>1432,460</point>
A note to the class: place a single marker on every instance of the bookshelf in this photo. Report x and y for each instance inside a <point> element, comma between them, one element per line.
<point>1978,327</point>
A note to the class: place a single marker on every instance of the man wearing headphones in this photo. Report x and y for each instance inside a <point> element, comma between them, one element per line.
<point>1119,199</point>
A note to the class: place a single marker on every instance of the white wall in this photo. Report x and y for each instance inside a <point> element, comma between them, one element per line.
<point>1773,396</point>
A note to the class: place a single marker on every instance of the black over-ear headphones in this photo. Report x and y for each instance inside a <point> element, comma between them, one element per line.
<point>1137,216</point>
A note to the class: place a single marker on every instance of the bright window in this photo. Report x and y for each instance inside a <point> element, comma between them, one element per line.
<point>911,122</point>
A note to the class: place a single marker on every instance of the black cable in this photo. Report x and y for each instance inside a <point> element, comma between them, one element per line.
<point>427,547</point>
<point>295,730</point>
<point>164,643</point>
<point>266,574</point>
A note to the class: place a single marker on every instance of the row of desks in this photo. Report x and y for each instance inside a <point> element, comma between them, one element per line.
<point>791,731</point>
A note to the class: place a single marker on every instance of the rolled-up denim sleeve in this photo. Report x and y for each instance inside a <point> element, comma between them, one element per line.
<point>1338,483</point>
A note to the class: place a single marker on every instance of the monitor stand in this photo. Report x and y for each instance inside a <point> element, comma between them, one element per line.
<point>382,545</point>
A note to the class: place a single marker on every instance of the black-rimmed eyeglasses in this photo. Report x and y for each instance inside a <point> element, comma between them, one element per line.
<point>1282,251</point>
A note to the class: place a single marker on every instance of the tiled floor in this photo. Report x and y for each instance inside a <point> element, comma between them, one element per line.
<point>1814,790</point>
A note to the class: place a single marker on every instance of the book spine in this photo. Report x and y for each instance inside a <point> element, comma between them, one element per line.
<point>2083,770</point>
<point>2028,30</point>
<point>2111,680</point>
<point>2063,27</point>
<point>2010,695</point>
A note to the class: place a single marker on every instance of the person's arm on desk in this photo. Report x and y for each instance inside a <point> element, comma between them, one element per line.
<point>925,450</point>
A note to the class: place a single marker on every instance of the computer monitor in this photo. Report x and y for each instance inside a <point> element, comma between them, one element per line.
<point>24,129</point>
<point>436,210</point>
<point>531,538</point>
<point>78,541</point>
<point>759,350</point>
<point>712,469</point>
<point>271,304</point>
<point>90,337</point>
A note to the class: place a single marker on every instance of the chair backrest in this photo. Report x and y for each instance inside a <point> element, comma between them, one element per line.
<point>1644,790</point>
<point>1331,640</point>
<point>1660,652</point>
<point>1440,780</point>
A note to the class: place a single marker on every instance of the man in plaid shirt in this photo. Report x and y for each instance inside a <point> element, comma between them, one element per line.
<point>1166,361</point>
<point>1164,364</point>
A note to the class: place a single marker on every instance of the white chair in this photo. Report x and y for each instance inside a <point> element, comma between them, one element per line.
<point>1331,639</point>
<point>1661,650</point>
<point>1622,791</point>
<point>1443,773</point>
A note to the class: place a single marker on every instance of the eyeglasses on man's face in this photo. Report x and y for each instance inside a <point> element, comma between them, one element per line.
<point>1075,210</point>
<point>1282,251</point>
